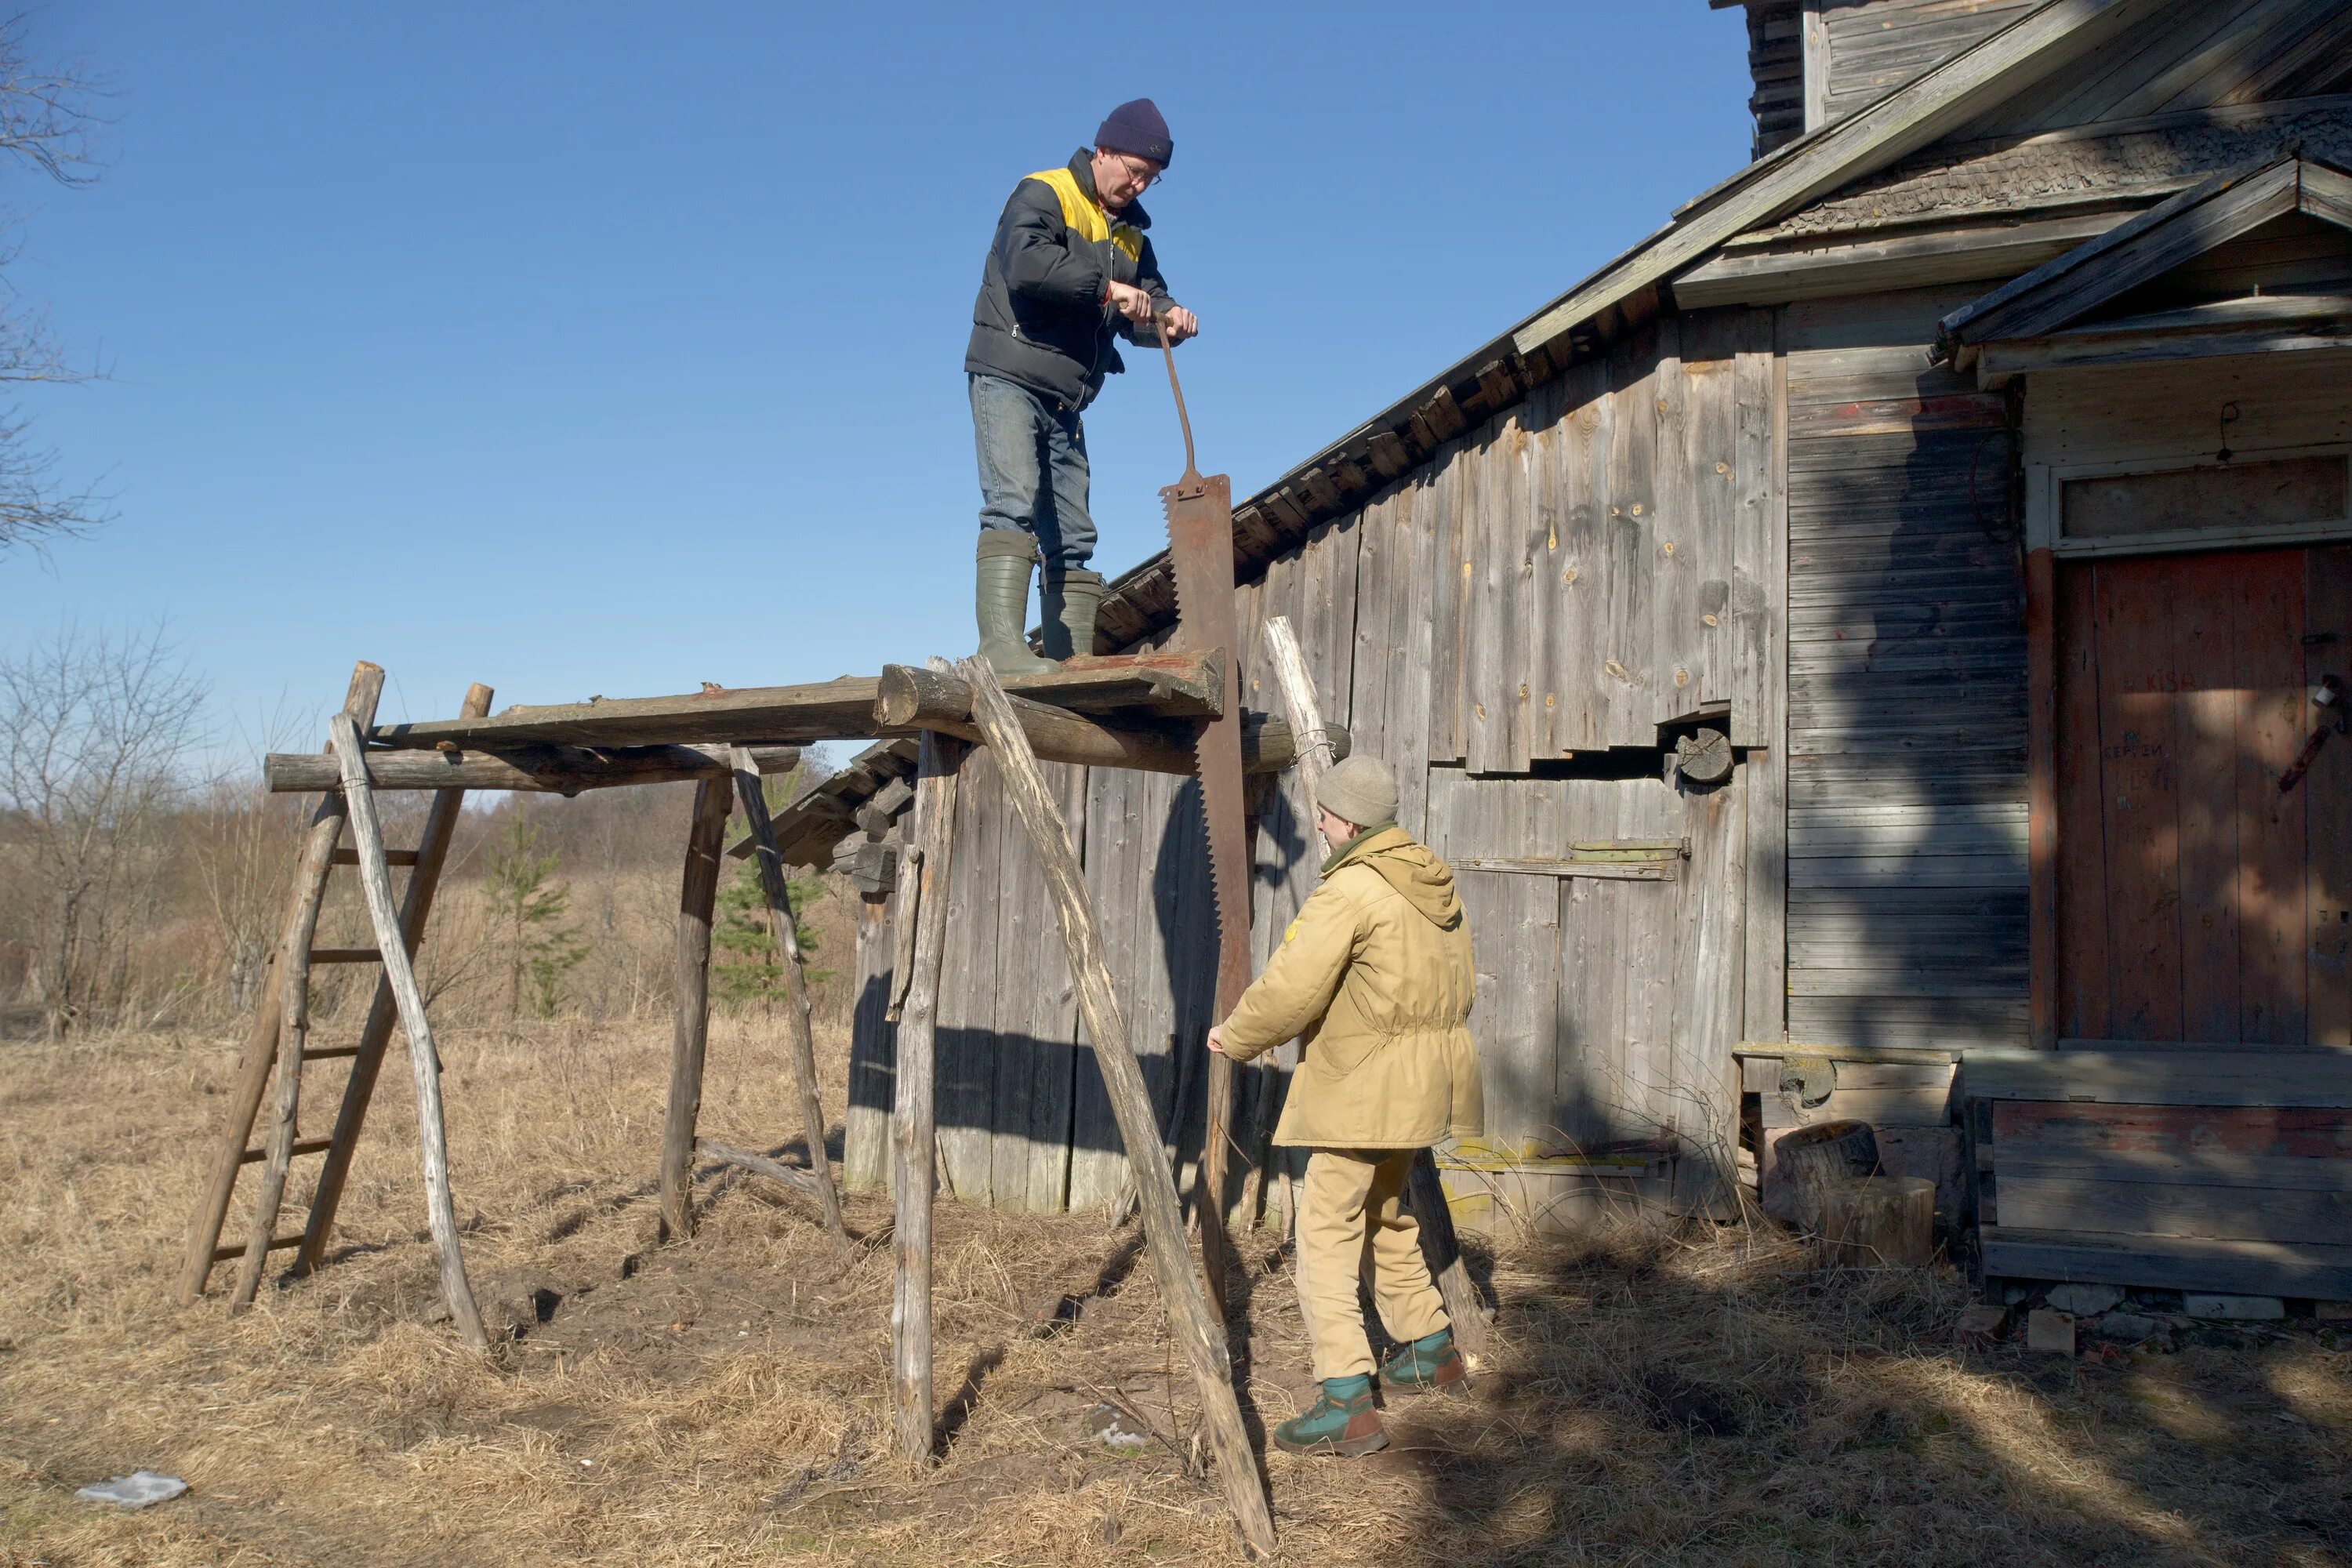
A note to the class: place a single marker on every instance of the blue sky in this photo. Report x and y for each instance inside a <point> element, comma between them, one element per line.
<point>589,349</point>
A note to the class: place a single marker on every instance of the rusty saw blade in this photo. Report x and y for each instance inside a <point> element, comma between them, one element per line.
<point>1201,548</point>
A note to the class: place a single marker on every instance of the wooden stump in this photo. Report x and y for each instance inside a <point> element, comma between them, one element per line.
<point>1810,1159</point>
<point>1878,1222</point>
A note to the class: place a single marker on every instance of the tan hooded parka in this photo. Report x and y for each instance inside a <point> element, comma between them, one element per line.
<point>1374,977</point>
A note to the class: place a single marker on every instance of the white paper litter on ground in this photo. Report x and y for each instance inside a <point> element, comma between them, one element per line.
<point>140,1489</point>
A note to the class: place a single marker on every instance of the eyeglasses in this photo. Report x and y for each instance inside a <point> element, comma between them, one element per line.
<point>1135,168</point>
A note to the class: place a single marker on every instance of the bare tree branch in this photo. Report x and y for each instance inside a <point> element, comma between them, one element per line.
<point>94,729</point>
<point>47,124</point>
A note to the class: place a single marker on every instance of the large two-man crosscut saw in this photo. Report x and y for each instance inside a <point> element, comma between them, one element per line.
<point>1200,550</point>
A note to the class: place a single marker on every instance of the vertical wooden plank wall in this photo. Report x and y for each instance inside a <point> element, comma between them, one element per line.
<point>1036,1020</point>
<point>873,1048</point>
<point>967,1043</point>
<point>1559,581</point>
<point>1906,813</point>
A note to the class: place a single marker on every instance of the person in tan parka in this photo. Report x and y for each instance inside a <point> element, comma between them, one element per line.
<point>1375,978</point>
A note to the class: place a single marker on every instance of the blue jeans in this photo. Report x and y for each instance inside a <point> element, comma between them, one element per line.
<point>1032,469</point>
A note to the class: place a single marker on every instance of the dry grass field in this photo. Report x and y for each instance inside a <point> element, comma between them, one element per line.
<point>1693,1399</point>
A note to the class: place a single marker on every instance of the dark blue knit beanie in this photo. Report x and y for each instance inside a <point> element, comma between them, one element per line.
<point>1137,128</point>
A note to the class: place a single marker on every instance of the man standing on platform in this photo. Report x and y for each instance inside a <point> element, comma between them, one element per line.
<point>1374,976</point>
<point>1070,271</point>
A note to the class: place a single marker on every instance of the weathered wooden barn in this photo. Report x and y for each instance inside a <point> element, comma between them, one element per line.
<point>1975,460</point>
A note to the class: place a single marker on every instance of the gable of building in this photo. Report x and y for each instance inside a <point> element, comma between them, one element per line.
<point>1631,291</point>
<point>2201,90</point>
<point>2196,261</point>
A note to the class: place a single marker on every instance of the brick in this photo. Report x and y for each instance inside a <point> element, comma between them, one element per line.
<point>1979,1326</point>
<point>2049,1331</point>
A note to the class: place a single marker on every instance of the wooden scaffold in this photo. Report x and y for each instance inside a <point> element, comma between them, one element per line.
<point>1141,712</point>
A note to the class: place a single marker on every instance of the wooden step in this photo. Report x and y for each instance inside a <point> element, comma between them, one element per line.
<point>332,1054</point>
<point>347,855</point>
<point>278,1243</point>
<point>304,1146</point>
<point>345,955</point>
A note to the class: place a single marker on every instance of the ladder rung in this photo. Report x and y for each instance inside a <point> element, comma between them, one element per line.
<point>345,955</point>
<point>301,1146</point>
<point>278,1243</point>
<point>332,1054</point>
<point>347,855</point>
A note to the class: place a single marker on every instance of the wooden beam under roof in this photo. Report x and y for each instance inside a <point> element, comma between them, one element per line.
<point>1944,255</point>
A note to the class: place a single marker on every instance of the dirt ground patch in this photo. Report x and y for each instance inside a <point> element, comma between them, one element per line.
<point>1700,1398</point>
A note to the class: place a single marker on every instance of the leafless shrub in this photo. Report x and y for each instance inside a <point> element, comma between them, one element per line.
<point>94,728</point>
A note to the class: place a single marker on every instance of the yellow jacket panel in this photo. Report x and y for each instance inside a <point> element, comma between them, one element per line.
<point>1374,976</point>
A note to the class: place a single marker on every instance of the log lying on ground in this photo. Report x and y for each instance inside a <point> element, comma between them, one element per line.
<point>805,1182</point>
<point>555,770</point>
<point>1164,684</point>
<point>909,698</point>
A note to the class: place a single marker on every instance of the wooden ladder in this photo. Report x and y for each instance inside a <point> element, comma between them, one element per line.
<point>279,1041</point>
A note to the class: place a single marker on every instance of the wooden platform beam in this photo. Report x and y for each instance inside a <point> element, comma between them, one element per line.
<point>909,698</point>
<point>554,769</point>
<point>1154,685</point>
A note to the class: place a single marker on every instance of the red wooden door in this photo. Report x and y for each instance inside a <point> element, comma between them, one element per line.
<point>2197,900</point>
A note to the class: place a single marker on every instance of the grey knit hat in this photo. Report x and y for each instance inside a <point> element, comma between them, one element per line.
<point>1362,790</point>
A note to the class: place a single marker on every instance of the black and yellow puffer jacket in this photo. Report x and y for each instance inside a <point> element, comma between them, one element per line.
<point>1041,319</point>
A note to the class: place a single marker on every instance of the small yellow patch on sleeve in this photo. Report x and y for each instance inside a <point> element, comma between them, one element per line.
<point>1291,931</point>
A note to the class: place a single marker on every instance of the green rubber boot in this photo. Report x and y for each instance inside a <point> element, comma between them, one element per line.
<point>1067,602</point>
<point>1001,601</point>
<point>1343,1422</point>
<point>1430,1363</point>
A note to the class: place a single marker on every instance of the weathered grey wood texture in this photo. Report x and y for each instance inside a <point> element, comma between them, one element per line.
<point>2190,55</point>
<point>1907,688</point>
<point>1876,47</point>
<point>2203,1170</point>
<point>1541,597</point>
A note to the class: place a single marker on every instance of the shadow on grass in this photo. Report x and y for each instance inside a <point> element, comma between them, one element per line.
<point>1664,1400</point>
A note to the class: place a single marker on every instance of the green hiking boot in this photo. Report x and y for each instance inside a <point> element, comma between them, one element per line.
<point>1428,1364</point>
<point>1343,1422</point>
<point>1067,602</point>
<point>1001,601</point>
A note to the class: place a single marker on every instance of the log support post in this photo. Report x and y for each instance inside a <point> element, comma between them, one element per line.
<point>423,1061</point>
<point>1200,1334</point>
<point>698,899</point>
<point>375,1036</point>
<point>752,793</point>
<point>913,1137</point>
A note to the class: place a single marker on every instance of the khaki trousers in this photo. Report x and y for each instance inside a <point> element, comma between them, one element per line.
<point>1352,1226</point>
